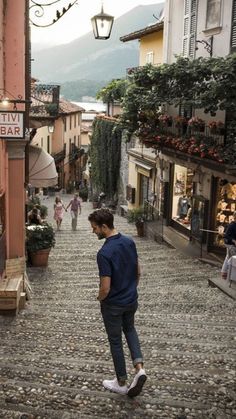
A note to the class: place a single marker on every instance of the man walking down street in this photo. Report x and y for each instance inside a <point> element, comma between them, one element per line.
<point>119,273</point>
<point>75,207</point>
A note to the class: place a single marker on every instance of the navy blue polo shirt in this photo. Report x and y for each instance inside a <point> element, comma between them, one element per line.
<point>118,259</point>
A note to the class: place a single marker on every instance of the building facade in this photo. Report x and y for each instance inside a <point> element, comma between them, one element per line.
<point>13,85</point>
<point>200,199</point>
<point>142,162</point>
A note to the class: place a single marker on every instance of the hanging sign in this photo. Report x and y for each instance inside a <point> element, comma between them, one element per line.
<point>12,125</point>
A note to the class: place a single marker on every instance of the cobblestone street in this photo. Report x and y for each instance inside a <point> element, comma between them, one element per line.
<point>54,354</point>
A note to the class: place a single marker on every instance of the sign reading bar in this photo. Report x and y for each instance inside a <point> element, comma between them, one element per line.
<point>12,125</point>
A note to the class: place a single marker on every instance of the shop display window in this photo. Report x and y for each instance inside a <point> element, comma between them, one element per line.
<point>182,195</point>
<point>225,207</point>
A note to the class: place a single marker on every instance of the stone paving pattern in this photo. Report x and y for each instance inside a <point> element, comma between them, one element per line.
<point>54,354</point>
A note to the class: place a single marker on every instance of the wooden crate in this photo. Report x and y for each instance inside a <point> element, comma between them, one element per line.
<point>10,292</point>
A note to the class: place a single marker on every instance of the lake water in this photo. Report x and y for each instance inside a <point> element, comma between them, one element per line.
<point>92,106</point>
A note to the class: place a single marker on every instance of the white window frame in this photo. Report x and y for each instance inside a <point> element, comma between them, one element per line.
<point>150,57</point>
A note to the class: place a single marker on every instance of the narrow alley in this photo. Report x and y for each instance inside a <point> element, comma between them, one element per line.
<point>54,355</point>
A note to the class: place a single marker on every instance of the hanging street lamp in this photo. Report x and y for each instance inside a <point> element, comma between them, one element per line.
<point>102,25</point>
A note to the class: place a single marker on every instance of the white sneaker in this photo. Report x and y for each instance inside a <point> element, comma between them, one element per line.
<point>137,383</point>
<point>113,385</point>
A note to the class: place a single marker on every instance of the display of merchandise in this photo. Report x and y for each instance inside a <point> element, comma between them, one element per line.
<point>226,205</point>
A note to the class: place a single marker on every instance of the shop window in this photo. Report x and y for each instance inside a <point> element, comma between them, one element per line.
<point>225,207</point>
<point>182,195</point>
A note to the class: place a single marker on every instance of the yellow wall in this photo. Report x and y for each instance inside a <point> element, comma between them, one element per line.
<point>152,42</point>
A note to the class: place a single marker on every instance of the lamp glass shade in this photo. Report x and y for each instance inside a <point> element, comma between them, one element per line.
<point>102,25</point>
<point>51,129</point>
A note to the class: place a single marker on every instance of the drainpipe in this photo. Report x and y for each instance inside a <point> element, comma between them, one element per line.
<point>27,88</point>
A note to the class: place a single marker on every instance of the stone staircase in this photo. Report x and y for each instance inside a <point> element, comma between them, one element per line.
<point>54,354</point>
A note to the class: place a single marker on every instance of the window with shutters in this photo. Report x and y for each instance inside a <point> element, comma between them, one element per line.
<point>233,31</point>
<point>189,30</point>
<point>150,57</point>
<point>213,16</point>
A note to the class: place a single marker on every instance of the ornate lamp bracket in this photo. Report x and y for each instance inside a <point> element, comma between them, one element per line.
<point>207,45</point>
<point>37,11</point>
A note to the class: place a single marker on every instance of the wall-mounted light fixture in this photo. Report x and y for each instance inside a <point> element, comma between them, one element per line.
<point>102,25</point>
<point>207,45</point>
<point>51,128</point>
<point>7,98</point>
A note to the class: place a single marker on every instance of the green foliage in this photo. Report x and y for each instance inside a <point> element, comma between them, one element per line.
<point>136,215</point>
<point>114,91</point>
<point>52,109</point>
<point>83,193</point>
<point>105,155</point>
<point>39,237</point>
<point>206,83</point>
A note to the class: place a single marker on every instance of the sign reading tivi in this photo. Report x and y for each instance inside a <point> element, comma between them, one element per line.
<point>12,125</point>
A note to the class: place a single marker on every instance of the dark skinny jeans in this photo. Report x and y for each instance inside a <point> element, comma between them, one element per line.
<point>116,319</point>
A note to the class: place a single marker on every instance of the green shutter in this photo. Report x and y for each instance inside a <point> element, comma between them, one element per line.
<point>233,33</point>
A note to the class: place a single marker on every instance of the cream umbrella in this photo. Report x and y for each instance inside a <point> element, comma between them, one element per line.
<point>42,169</point>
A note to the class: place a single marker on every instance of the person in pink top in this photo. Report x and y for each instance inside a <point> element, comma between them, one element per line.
<point>75,208</point>
<point>58,211</point>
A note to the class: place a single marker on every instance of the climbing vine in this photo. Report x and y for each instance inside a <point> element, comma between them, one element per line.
<point>105,152</point>
<point>204,83</point>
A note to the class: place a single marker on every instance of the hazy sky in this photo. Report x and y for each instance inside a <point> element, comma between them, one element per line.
<point>76,21</point>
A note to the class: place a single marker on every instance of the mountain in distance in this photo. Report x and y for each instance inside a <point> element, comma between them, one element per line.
<point>89,59</point>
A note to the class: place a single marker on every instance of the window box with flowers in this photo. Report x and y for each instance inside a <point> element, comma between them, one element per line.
<point>196,124</point>
<point>216,127</point>
<point>165,120</point>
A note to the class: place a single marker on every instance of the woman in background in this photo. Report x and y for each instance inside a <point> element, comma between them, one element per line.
<point>58,211</point>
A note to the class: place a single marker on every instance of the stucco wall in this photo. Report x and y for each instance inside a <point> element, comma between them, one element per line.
<point>151,43</point>
<point>173,29</point>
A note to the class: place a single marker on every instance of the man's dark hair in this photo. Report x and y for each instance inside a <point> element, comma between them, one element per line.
<point>102,216</point>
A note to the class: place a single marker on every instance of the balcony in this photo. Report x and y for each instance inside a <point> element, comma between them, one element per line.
<point>44,104</point>
<point>190,137</point>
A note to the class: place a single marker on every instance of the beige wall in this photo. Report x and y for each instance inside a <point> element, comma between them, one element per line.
<point>43,139</point>
<point>151,43</point>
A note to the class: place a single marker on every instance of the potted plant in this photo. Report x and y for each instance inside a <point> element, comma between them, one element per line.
<point>196,123</point>
<point>83,194</point>
<point>216,127</point>
<point>39,241</point>
<point>165,120</point>
<point>137,216</point>
<point>95,199</point>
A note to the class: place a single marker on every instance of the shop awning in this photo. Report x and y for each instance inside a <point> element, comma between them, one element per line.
<point>42,169</point>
